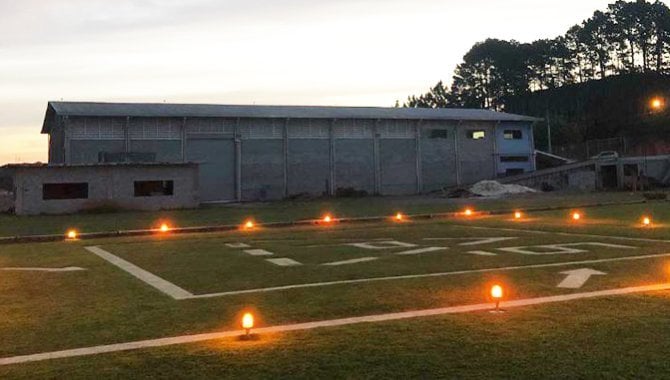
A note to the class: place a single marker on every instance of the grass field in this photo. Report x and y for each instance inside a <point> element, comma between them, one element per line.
<point>318,273</point>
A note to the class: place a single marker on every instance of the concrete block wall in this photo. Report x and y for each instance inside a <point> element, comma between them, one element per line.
<point>108,185</point>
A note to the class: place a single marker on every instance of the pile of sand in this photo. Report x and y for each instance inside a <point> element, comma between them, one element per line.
<point>497,189</point>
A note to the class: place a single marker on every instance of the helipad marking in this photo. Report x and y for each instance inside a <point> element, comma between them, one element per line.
<point>421,250</point>
<point>237,245</point>
<point>482,253</point>
<point>147,277</point>
<point>477,241</point>
<point>564,248</point>
<point>185,339</point>
<point>258,252</point>
<point>352,261</point>
<point>388,244</point>
<point>284,262</point>
<point>37,269</point>
<point>427,275</point>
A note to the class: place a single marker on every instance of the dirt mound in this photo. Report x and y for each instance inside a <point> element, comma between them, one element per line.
<point>497,189</point>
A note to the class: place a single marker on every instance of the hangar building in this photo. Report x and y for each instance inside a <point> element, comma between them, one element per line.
<point>249,152</point>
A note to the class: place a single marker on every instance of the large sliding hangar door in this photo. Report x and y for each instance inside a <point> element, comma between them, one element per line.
<point>211,143</point>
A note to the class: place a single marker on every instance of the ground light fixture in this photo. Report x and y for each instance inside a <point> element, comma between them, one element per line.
<point>71,234</point>
<point>518,215</point>
<point>399,217</point>
<point>656,103</point>
<point>249,224</point>
<point>576,216</point>
<point>646,221</point>
<point>467,212</point>
<point>327,218</point>
<point>497,294</point>
<point>164,227</point>
<point>247,324</point>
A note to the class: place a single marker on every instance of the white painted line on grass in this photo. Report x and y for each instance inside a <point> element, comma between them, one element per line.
<point>284,262</point>
<point>388,244</point>
<point>482,253</point>
<point>352,261</point>
<point>562,233</point>
<point>37,269</point>
<point>258,252</point>
<point>186,339</point>
<point>477,241</point>
<point>147,277</point>
<point>427,275</point>
<point>237,245</point>
<point>421,250</point>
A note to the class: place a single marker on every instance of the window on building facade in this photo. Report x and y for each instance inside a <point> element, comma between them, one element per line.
<point>153,188</point>
<point>53,191</point>
<point>438,134</point>
<point>512,134</point>
<point>476,134</point>
<point>514,159</point>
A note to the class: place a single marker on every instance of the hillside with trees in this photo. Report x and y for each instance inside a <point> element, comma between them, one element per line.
<point>595,81</point>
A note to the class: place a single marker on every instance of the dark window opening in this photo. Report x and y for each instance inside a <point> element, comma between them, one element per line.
<point>153,188</point>
<point>514,159</point>
<point>514,171</point>
<point>438,133</point>
<point>65,191</point>
<point>476,135</point>
<point>512,134</point>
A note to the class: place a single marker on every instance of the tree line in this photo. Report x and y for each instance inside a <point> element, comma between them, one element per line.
<point>628,37</point>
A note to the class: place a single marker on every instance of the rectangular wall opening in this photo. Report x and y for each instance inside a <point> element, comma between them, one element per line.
<point>512,134</point>
<point>154,188</point>
<point>51,191</point>
<point>476,135</point>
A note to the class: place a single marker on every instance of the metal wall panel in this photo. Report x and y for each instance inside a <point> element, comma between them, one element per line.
<point>438,156</point>
<point>308,166</point>
<point>217,167</point>
<point>165,150</point>
<point>262,169</point>
<point>88,151</point>
<point>354,164</point>
<point>476,156</point>
<point>398,166</point>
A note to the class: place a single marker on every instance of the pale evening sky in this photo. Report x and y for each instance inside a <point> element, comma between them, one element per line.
<point>313,52</point>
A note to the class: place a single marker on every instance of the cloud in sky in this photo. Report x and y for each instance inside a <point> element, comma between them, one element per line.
<point>337,52</point>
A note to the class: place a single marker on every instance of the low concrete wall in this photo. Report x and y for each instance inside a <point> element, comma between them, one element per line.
<point>109,186</point>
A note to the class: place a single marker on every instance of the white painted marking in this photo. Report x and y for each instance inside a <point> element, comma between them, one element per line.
<point>556,249</point>
<point>421,250</point>
<point>576,278</point>
<point>352,261</point>
<point>237,245</point>
<point>562,233</point>
<point>427,275</point>
<point>37,269</point>
<point>388,244</point>
<point>477,241</point>
<point>147,277</point>
<point>186,339</point>
<point>258,252</point>
<point>482,253</point>
<point>284,262</point>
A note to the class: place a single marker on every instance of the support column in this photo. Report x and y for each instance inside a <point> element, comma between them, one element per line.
<point>375,158</point>
<point>126,135</point>
<point>285,147</point>
<point>238,161</point>
<point>67,156</point>
<point>183,140</point>
<point>331,150</point>
<point>457,153</point>
<point>419,173</point>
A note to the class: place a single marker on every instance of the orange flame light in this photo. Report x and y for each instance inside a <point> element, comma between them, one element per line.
<point>467,212</point>
<point>646,221</point>
<point>576,216</point>
<point>327,218</point>
<point>71,234</point>
<point>496,292</point>
<point>399,217</point>
<point>164,227</point>
<point>247,323</point>
<point>249,224</point>
<point>518,215</point>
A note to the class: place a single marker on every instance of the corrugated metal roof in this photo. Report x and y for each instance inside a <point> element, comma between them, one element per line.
<point>263,111</point>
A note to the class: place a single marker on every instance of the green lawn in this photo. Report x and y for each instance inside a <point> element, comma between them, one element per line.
<point>289,210</point>
<point>623,336</point>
